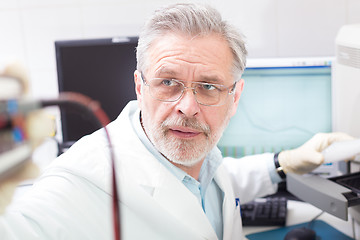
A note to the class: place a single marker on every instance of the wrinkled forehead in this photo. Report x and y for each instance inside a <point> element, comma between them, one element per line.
<point>205,57</point>
<point>177,72</point>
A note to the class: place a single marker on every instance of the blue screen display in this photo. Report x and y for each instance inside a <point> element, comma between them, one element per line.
<point>280,108</point>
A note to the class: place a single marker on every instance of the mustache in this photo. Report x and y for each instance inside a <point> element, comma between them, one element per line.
<point>186,122</point>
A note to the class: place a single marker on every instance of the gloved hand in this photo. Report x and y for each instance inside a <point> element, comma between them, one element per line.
<point>8,185</point>
<point>307,157</point>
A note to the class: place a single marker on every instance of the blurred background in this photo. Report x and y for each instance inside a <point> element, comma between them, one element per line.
<point>274,28</point>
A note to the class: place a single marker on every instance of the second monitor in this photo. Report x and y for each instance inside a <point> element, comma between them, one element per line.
<point>284,103</point>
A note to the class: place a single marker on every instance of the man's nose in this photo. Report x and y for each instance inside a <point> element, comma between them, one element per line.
<point>187,104</point>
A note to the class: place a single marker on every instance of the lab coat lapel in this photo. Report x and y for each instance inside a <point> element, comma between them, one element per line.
<point>182,204</point>
<point>151,217</point>
<point>231,212</point>
<point>158,193</point>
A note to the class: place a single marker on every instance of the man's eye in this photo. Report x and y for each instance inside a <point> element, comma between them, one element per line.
<point>168,82</point>
<point>207,86</point>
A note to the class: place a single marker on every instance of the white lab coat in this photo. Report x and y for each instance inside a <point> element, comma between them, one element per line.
<point>72,199</point>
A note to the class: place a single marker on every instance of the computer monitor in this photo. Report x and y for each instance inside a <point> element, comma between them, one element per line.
<point>102,69</point>
<point>284,103</point>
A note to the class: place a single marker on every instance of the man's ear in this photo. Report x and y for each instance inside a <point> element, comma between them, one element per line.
<point>238,90</point>
<point>138,85</point>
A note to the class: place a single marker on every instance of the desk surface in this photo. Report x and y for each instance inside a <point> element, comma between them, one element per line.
<point>301,212</point>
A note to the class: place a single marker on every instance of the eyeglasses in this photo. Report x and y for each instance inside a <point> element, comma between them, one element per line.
<point>171,90</point>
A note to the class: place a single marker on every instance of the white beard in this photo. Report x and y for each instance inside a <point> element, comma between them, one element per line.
<point>183,152</point>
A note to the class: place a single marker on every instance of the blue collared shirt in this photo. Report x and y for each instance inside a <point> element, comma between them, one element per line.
<point>208,193</point>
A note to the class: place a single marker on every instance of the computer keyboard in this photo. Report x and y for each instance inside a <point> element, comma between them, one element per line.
<point>269,211</point>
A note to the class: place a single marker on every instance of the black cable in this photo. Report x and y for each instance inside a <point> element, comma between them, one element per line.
<point>77,106</point>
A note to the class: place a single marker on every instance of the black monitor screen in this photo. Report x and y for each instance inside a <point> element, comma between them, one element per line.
<point>102,69</point>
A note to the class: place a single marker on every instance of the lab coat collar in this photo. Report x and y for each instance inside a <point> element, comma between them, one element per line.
<point>186,208</point>
<point>181,203</point>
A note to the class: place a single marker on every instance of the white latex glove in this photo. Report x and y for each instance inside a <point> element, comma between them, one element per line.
<point>8,185</point>
<point>307,157</point>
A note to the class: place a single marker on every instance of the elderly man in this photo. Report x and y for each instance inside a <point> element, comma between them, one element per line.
<point>173,181</point>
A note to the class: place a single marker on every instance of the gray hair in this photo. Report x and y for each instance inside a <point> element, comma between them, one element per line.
<point>191,19</point>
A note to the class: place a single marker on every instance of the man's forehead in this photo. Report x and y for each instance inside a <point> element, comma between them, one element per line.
<point>182,56</point>
<point>172,71</point>
<point>178,72</point>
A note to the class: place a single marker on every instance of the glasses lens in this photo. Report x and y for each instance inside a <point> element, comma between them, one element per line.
<point>165,89</point>
<point>170,90</point>
<point>210,94</point>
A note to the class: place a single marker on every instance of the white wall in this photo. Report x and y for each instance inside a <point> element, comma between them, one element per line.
<point>274,28</point>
